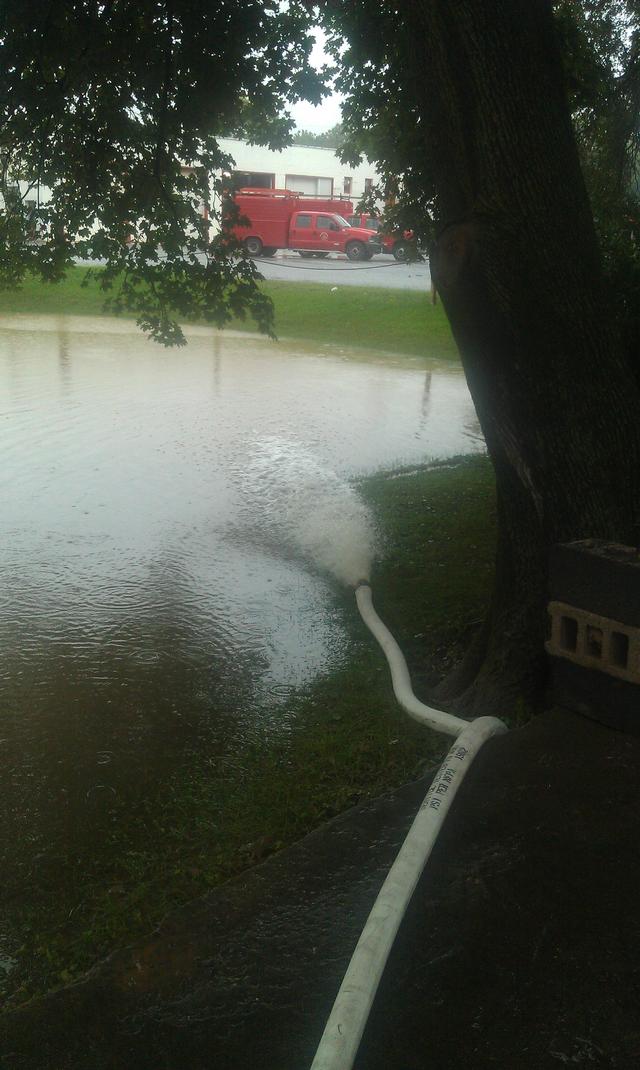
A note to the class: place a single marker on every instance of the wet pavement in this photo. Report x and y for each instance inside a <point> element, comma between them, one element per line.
<point>519,950</point>
<point>336,270</point>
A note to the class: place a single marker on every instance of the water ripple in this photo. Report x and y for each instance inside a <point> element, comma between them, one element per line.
<point>163,513</point>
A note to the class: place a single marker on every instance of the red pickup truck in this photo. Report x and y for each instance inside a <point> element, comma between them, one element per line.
<point>395,243</point>
<point>281,219</point>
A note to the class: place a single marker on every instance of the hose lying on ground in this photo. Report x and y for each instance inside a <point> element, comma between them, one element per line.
<point>341,1038</point>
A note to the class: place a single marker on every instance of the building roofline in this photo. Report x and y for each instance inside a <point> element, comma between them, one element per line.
<point>314,148</point>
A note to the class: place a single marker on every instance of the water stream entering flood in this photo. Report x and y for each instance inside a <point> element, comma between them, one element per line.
<point>168,520</point>
<point>152,499</point>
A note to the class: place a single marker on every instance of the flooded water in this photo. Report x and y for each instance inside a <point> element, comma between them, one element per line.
<point>147,496</point>
<point>164,516</point>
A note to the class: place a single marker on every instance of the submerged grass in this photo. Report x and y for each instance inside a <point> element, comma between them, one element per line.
<point>346,741</point>
<point>399,321</point>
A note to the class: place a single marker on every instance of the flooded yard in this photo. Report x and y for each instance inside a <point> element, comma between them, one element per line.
<point>152,590</point>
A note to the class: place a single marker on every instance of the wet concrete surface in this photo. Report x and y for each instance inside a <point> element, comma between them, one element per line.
<point>520,948</point>
<point>381,271</point>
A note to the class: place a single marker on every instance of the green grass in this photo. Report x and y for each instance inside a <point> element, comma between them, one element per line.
<point>347,740</point>
<point>399,321</point>
<point>68,298</point>
<point>438,527</point>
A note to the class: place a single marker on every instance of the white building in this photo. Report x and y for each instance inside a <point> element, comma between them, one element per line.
<point>305,169</point>
<point>312,170</point>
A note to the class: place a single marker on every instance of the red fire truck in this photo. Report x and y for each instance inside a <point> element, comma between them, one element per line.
<point>312,226</point>
<point>397,244</point>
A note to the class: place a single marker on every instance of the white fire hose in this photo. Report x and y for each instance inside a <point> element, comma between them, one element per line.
<point>341,1038</point>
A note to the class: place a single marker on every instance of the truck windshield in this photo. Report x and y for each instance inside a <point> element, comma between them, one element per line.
<point>341,220</point>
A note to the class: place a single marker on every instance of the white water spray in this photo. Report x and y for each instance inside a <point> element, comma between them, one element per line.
<point>307,509</point>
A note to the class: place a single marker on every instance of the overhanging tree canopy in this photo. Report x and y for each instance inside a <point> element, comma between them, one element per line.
<point>103,101</point>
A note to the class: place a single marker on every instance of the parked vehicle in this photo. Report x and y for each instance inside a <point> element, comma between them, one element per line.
<point>312,226</point>
<point>395,243</point>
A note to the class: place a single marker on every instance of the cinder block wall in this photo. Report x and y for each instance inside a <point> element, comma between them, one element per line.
<point>594,589</point>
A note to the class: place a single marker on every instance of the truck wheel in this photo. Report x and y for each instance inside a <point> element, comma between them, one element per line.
<point>269,250</point>
<point>253,246</point>
<point>401,250</point>
<point>356,250</point>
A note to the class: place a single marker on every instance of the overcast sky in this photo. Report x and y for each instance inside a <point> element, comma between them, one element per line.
<point>327,114</point>
<point>317,119</point>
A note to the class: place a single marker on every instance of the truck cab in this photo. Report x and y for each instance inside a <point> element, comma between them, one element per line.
<point>396,243</point>
<point>323,233</point>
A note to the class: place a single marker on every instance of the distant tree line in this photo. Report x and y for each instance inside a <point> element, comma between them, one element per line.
<point>329,139</point>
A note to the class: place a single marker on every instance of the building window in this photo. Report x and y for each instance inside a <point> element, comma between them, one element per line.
<point>368,185</point>
<point>253,180</point>
<point>310,185</point>
<point>347,186</point>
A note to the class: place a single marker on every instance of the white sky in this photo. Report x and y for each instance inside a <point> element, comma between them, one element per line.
<point>325,115</point>
<point>317,119</point>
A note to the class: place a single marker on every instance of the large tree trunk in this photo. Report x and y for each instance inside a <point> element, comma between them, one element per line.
<point>517,267</point>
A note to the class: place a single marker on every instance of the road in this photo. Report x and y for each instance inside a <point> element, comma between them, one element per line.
<point>336,270</point>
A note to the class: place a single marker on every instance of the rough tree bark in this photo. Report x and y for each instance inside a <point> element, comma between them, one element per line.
<point>517,267</point>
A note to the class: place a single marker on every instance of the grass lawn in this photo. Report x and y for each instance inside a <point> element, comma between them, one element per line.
<point>347,741</point>
<point>399,321</point>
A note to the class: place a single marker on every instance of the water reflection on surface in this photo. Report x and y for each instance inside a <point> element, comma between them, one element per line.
<point>124,477</point>
<point>146,594</point>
